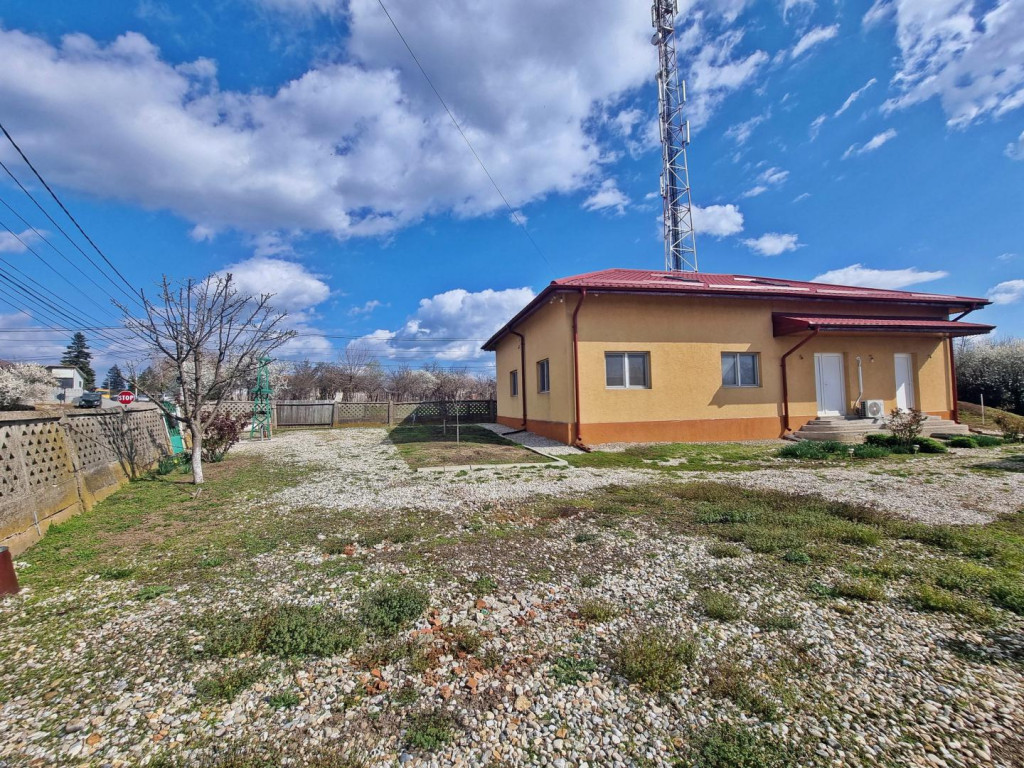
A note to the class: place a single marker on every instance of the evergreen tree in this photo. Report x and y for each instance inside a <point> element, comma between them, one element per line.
<point>115,380</point>
<point>78,355</point>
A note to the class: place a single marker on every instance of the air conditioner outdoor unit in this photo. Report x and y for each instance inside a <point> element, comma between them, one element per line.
<point>872,409</point>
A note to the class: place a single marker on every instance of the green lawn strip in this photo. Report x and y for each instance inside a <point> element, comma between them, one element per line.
<point>686,457</point>
<point>430,445</point>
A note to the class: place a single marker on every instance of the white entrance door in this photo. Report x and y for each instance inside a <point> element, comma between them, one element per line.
<point>828,378</point>
<point>904,382</point>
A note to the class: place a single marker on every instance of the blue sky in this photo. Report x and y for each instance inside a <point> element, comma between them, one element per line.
<point>294,142</point>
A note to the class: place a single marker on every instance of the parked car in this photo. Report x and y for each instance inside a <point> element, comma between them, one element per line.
<point>90,400</point>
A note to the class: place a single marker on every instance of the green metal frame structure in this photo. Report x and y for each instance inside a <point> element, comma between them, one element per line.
<point>261,405</point>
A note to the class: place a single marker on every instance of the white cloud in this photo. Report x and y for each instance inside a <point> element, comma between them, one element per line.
<point>814,37</point>
<point>715,72</point>
<point>801,197</point>
<point>1008,292</point>
<point>295,289</point>
<point>758,189</point>
<point>607,196</point>
<point>303,6</point>
<point>366,308</point>
<point>773,243</point>
<point>1006,257</point>
<point>741,132</point>
<point>449,326</point>
<point>10,243</point>
<point>789,5</point>
<point>816,125</point>
<point>767,179</point>
<point>877,13</point>
<point>717,220</point>
<point>874,143</point>
<point>966,54</point>
<point>859,275</point>
<point>1015,149</point>
<point>854,96</point>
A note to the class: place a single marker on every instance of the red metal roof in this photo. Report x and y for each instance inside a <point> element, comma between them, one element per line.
<point>733,286</point>
<point>784,325</point>
<point>699,282</point>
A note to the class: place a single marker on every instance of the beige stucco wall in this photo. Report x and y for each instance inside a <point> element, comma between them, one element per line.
<point>685,338</point>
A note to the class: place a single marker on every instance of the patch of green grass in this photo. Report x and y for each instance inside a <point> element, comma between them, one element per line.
<point>286,630</point>
<point>771,621</point>
<point>865,590</point>
<point>485,585</point>
<point>725,550</point>
<point>466,639</point>
<point>224,686</point>
<point>152,592</point>
<point>588,580</point>
<point>406,695</point>
<point>586,538</point>
<point>115,573</point>
<point>729,680</point>
<point>724,745</point>
<point>1009,596</point>
<point>814,450</point>
<point>964,575</point>
<point>934,599</point>
<point>720,606</point>
<point>708,512</point>
<point>598,611</point>
<point>569,670</point>
<point>654,659</point>
<point>284,700</point>
<point>678,457</point>
<point>866,451</point>
<point>430,730</point>
<point>388,609</point>
<point>797,557</point>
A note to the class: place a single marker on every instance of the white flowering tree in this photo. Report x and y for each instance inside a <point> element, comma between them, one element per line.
<point>23,384</point>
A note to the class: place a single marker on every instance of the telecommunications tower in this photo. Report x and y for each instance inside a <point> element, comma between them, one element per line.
<point>680,243</point>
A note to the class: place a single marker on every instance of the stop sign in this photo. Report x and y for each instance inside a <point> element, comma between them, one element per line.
<point>124,397</point>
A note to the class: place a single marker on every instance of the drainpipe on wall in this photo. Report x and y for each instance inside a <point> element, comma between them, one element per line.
<point>522,372</point>
<point>860,384</point>
<point>785,381</point>
<point>576,368</point>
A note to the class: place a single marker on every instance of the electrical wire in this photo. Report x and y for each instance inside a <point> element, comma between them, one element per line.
<point>131,293</point>
<point>511,210</point>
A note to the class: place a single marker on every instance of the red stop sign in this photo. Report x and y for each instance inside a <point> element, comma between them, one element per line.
<point>124,397</point>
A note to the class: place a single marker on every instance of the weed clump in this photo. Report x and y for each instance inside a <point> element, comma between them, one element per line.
<point>730,681</point>
<point>859,589</point>
<point>388,609</point>
<point>224,686</point>
<point>724,745</point>
<point>654,659</point>
<point>597,611</point>
<point>285,630</point>
<point>429,730</point>
<point>725,550</point>
<point>719,605</point>
<point>569,670</point>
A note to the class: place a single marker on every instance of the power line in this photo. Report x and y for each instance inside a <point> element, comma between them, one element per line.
<point>462,133</point>
<point>132,295</point>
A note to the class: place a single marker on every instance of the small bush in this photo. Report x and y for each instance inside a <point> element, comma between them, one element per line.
<point>466,639</point>
<point>719,605</point>
<point>654,659</point>
<point>962,441</point>
<point>805,449</point>
<point>797,557</point>
<point>906,425</point>
<point>284,700</point>
<point>287,630</point>
<point>597,611</point>
<point>429,730</point>
<point>569,670</point>
<point>220,432</point>
<point>724,745</point>
<point>388,609</point>
<point>880,440</point>
<point>859,589</point>
<point>1012,427</point>
<point>987,441</point>
<point>226,685</point>
<point>724,550</point>
<point>929,445</point>
<point>167,464</point>
<point>866,451</point>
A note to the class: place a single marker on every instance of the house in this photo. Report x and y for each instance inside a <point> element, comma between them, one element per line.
<point>70,383</point>
<point>630,355</point>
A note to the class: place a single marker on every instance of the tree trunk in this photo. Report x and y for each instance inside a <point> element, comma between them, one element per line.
<point>197,454</point>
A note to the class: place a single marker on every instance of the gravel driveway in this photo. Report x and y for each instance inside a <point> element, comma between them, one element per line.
<point>361,468</point>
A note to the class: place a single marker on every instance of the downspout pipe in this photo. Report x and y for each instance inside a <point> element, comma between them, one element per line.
<point>576,368</point>
<point>522,374</point>
<point>785,380</point>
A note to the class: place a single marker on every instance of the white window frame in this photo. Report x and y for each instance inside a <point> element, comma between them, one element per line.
<point>513,383</point>
<point>544,376</point>
<point>627,384</point>
<point>740,384</point>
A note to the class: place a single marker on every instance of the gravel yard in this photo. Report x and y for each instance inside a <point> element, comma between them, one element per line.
<point>791,631</point>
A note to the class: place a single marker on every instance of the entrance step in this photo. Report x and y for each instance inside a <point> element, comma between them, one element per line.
<point>854,430</point>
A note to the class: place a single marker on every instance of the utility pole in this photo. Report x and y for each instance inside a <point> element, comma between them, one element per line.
<point>680,242</point>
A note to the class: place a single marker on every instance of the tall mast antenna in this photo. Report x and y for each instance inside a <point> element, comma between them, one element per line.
<point>680,242</point>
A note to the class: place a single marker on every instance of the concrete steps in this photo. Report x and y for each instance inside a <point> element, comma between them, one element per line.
<point>853,430</point>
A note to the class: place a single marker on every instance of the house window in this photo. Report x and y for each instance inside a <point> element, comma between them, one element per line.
<point>63,383</point>
<point>543,376</point>
<point>513,383</point>
<point>740,369</point>
<point>627,370</point>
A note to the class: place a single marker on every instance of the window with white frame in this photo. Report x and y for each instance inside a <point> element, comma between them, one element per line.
<point>543,376</point>
<point>513,383</point>
<point>627,370</point>
<point>741,369</point>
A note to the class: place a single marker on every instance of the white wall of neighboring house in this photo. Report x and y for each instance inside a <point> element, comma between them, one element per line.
<point>70,383</point>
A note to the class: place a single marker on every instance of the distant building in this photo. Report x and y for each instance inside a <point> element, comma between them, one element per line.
<point>70,383</point>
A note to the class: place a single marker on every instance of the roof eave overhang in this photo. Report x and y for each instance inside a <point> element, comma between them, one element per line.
<point>788,329</point>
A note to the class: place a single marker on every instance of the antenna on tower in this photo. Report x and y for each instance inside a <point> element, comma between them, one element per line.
<point>680,242</point>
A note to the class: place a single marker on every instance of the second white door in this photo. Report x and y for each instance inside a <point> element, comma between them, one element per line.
<point>904,382</point>
<point>828,379</point>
